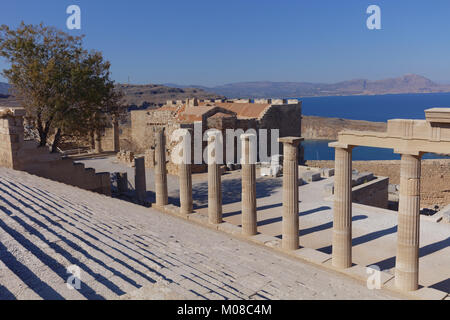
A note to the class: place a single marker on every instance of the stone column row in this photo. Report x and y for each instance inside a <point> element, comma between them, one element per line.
<point>342,218</point>
<point>407,260</point>
<point>290,223</point>
<point>214,181</point>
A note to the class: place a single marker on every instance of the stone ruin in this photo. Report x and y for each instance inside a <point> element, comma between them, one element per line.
<point>126,157</point>
<point>25,155</point>
<point>282,114</point>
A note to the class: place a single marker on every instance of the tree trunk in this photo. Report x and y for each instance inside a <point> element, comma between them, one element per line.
<point>43,130</point>
<point>56,141</point>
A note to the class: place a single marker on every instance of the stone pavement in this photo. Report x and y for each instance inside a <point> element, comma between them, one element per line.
<point>374,229</point>
<point>124,250</point>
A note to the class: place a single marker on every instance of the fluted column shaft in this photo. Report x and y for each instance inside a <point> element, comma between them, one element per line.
<point>185,172</point>
<point>342,218</point>
<point>160,170</point>
<point>140,183</point>
<point>249,222</point>
<point>214,184</point>
<point>407,261</point>
<point>290,224</point>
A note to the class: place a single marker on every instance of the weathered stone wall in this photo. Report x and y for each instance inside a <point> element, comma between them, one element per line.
<point>144,123</point>
<point>373,193</point>
<point>11,137</point>
<point>434,181</point>
<point>15,153</point>
<point>283,115</point>
<point>288,119</point>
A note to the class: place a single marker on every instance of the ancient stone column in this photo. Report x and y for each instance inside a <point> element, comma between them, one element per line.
<point>160,169</point>
<point>249,222</point>
<point>140,183</point>
<point>185,172</point>
<point>116,135</point>
<point>98,142</point>
<point>290,232</point>
<point>342,217</point>
<point>407,261</point>
<point>214,181</point>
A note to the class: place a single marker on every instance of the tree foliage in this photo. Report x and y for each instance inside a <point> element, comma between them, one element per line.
<point>65,89</point>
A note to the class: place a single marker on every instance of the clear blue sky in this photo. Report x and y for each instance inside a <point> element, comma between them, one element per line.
<point>212,42</point>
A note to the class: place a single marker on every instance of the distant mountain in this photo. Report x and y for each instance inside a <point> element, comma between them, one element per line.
<point>4,87</point>
<point>137,96</point>
<point>409,83</point>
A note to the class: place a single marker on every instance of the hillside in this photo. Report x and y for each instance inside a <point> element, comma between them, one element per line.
<point>135,95</point>
<point>151,94</point>
<point>328,128</point>
<point>410,83</point>
<point>4,87</point>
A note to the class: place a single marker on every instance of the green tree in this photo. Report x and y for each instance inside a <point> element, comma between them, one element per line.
<point>66,90</point>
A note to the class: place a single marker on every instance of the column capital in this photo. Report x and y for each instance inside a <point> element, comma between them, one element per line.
<point>409,152</point>
<point>340,145</point>
<point>291,140</point>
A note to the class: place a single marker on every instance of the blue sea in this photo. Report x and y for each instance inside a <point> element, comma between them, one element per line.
<point>371,108</point>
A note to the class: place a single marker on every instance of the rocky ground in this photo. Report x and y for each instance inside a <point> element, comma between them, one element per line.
<point>328,128</point>
<point>435,181</point>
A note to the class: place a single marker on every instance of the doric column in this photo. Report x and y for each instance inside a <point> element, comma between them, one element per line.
<point>140,183</point>
<point>160,169</point>
<point>407,261</point>
<point>290,193</point>
<point>116,135</point>
<point>249,222</point>
<point>214,180</point>
<point>185,172</point>
<point>342,216</point>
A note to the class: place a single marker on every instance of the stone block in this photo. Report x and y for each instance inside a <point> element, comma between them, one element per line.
<point>198,218</point>
<point>361,273</point>
<point>392,188</point>
<point>266,240</point>
<point>310,176</point>
<point>272,171</point>
<point>446,217</point>
<point>329,189</point>
<point>360,178</point>
<point>427,293</point>
<point>327,172</point>
<point>122,182</point>
<point>312,255</point>
<point>230,228</point>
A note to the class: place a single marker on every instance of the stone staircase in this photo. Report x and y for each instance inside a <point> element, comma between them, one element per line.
<point>126,251</point>
<point>40,162</point>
